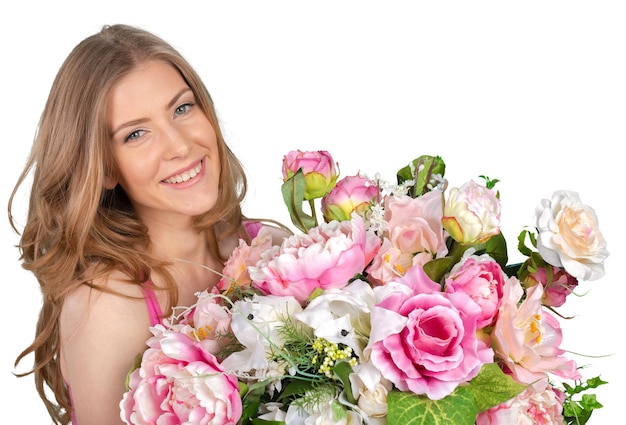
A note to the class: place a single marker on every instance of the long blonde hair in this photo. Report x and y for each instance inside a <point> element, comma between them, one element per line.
<point>76,230</point>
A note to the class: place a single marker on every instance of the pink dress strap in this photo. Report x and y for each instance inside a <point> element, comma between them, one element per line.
<point>154,309</point>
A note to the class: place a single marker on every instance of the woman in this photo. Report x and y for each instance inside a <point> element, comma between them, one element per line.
<point>133,188</point>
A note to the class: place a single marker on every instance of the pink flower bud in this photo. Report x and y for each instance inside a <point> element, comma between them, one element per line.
<point>557,284</point>
<point>318,167</point>
<point>352,193</point>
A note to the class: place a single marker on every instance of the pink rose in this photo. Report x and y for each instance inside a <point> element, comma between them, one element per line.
<point>526,337</point>
<point>328,256</point>
<point>472,213</point>
<point>424,340</point>
<point>352,193</point>
<point>318,167</point>
<point>557,284</point>
<point>482,279</point>
<point>180,382</point>
<point>530,407</point>
<point>414,234</point>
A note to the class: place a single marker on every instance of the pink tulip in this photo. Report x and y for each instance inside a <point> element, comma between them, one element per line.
<point>352,193</point>
<point>318,167</point>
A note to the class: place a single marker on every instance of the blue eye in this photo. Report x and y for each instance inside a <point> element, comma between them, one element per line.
<point>134,135</point>
<point>183,109</point>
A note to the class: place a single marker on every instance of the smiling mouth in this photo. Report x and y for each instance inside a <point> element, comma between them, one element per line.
<point>186,176</point>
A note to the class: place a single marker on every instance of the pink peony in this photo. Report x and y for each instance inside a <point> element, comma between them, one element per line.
<point>180,382</point>
<point>328,256</point>
<point>526,337</point>
<point>320,172</point>
<point>413,237</point>
<point>424,340</point>
<point>528,408</point>
<point>482,279</point>
<point>352,193</point>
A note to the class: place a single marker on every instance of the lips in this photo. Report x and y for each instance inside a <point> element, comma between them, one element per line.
<point>184,176</point>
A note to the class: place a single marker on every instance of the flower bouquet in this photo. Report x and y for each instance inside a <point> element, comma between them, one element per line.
<point>399,307</point>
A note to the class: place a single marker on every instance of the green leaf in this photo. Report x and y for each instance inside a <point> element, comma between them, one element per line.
<point>496,248</point>
<point>421,170</point>
<point>295,387</point>
<point>135,365</point>
<point>437,268</point>
<point>343,370</point>
<point>493,387</point>
<point>293,195</point>
<point>407,408</point>
<point>258,421</point>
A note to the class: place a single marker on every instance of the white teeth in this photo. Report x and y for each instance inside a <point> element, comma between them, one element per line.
<point>185,176</point>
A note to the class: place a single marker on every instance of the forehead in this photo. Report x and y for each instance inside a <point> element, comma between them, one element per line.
<point>149,85</point>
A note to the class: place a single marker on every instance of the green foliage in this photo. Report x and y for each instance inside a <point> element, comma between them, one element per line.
<point>421,170</point>
<point>493,387</point>
<point>577,411</point>
<point>293,194</point>
<point>407,408</point>
<point>490,388</point>
<point>496,248</point>
<point>489,183</point>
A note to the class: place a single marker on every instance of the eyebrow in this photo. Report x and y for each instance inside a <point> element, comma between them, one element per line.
<point>170,104</point>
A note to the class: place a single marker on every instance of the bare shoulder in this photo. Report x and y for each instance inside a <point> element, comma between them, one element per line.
<point>101,333</point>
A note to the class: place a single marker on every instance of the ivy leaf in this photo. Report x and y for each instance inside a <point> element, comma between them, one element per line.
<point>493,387</point>
<point>406,408</point>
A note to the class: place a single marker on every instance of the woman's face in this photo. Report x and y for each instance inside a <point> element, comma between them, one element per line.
<point>164,146</point>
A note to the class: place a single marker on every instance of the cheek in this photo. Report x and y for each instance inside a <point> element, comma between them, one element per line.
<point>135,170</point>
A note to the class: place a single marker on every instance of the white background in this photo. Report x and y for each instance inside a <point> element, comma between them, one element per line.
<point>532,93</point>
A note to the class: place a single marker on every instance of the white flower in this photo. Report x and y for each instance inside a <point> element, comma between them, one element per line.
<point>256,323</point>
<point>370,389</point>
<point>272,412</point>
<point>569,236</point>
<point>329,412</point>
<point>341,316</point>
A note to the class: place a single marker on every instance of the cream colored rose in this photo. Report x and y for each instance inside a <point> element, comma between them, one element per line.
<point>569,237</point>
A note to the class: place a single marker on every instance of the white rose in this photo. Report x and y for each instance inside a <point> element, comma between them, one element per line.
<point>569,237</point>
<point>370,390</point>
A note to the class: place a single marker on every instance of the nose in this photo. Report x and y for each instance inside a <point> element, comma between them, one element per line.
<point>175,143</point>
